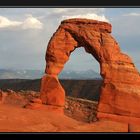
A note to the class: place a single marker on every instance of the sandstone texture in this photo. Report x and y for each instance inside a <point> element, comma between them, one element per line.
<point>17,119</point>
<point>52,92</point>
<point>78,116</point>
<point>48,118</point>
<point>76,108</point>
<point>120,91</point>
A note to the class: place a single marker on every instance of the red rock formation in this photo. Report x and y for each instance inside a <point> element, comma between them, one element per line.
<point>120,92</point>
<point>52,92</point>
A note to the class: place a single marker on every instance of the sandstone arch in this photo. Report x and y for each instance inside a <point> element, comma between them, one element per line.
<point>120,92</point>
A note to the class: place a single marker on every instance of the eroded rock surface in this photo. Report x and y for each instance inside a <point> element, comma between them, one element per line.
<point>55,93</point>
<point>120,92</point>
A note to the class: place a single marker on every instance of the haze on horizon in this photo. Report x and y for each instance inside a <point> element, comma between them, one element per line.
<point>25,32</point>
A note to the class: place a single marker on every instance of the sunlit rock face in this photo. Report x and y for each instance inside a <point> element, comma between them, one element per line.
<point>52,92</point>
<point>120,91</point>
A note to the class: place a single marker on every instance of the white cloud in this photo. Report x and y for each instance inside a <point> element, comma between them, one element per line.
<point>5,22</point>
<point>88,16</point>
<point>29,23</point>
<point>132,14</point>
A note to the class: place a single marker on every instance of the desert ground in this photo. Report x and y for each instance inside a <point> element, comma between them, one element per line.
<point>79,115</point>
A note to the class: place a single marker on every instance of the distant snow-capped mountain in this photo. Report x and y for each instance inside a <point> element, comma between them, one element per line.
<point>35,74</point>
<point>20,74</point>
<point>89,74</point>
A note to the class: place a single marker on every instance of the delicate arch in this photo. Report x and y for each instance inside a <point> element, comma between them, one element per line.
<point>116,68</point>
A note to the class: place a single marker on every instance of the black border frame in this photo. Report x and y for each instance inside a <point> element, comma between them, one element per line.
<point>29,3</point>
<point>65,136</point>
<point>69,4</point>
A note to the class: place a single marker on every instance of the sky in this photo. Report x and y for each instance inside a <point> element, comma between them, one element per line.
<point>25,33</point>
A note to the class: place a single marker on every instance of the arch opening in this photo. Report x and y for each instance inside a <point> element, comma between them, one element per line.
<point>80,76</point>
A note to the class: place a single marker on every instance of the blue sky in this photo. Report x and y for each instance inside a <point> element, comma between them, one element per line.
<point>25,32</point>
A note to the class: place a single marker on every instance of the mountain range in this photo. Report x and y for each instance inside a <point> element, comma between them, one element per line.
<point>88,74</point>
<point>35,74</point>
